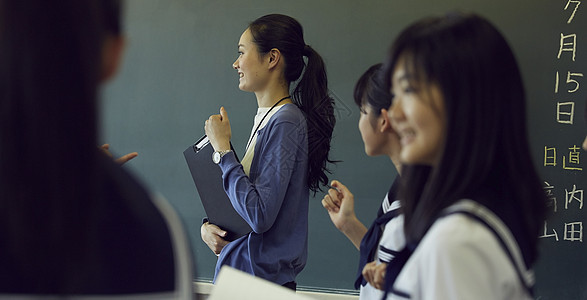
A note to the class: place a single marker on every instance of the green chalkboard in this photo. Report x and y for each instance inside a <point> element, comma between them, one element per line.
<point>177,71</point>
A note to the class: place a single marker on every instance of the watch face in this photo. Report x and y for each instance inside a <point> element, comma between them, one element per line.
<point>216,157</point>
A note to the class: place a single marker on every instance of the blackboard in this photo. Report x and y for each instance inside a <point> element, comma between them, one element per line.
<point>177,71</point>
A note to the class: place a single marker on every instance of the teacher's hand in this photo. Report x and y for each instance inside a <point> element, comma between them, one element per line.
<point>217,129</point>
<point>213,236</point>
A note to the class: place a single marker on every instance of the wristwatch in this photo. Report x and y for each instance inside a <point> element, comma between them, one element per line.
<point>217,155</point>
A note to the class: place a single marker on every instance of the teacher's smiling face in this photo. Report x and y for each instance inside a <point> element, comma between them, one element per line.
<point>251,66</point>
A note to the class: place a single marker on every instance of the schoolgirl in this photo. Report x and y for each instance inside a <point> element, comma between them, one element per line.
<point>471,197</point>
<point>385,236</point>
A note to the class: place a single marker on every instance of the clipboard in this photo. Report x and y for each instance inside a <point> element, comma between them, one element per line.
<point>208,179</point>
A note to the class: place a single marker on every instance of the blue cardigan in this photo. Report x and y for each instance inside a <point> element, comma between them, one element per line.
<point>273,200</point>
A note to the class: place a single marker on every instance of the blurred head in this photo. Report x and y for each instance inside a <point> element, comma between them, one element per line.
<point>53,56</point>
<point>453,65</point>
<point>113,39</point>
<point>50,68</point>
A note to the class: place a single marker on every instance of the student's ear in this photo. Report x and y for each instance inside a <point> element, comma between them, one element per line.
<point>384,121</point>
<point>112,50</point>
<point>274,57</point>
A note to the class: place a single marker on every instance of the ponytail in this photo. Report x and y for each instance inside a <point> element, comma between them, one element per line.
<point>311,95</point>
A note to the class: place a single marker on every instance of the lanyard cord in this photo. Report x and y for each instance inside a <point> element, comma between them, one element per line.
<point>257,129</point>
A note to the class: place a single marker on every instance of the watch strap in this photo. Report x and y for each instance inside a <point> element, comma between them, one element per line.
<point>224,152</point>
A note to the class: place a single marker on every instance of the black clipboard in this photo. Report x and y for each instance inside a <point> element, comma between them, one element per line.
<point>208,179</point>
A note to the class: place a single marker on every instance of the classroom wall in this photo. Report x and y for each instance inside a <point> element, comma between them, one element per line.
<point>177,71</point>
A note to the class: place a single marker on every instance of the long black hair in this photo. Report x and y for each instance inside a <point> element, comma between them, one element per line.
<point>486,154</point>
<point>50,68</point>
<point>311,92</point>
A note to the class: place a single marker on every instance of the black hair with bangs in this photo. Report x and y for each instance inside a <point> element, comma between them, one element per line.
<point>486,155</point>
